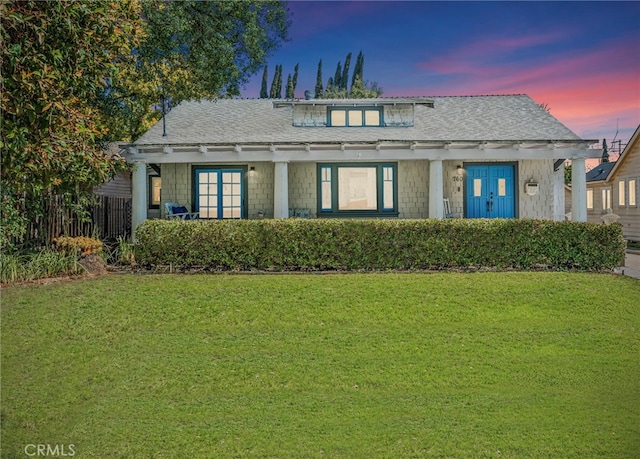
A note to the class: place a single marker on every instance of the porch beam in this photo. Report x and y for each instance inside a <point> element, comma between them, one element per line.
<point>352,153</point>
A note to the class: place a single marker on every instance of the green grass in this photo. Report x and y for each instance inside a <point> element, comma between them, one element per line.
<point>343,366</point>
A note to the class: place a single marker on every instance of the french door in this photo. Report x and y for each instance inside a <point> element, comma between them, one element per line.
<point>219,193</point>
<point>490,191</point>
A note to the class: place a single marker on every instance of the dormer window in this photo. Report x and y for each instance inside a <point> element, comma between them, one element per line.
<point>354,116</point>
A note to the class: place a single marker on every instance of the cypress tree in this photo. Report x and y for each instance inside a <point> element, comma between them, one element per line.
<point>295,79</point>
<point>319,89</point>
<point>274,83</point>
<point>329,91</point>
<point>289,90</point>
<point>337,76</point>
<point>358,70</point>
<point>279,87</point>
<point>263,89</point>
<point>344,79</point>
<point>605,151</point>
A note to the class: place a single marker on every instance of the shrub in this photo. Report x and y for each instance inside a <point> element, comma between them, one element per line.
<point>81,245</point>
<point>357,244</point>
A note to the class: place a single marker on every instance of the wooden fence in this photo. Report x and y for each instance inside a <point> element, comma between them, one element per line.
<point>109,218</point>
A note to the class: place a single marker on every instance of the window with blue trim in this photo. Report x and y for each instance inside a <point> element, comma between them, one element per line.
<point>219,193</point>
<point>354,117</point>
<point>357,189</point>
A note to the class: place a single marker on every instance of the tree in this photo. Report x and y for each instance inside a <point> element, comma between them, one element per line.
<point>605,151</point>
<point>344,79</point>
<point>193,50</point>
<point>289,91</point>
<point>276,84</point>
<point>567,174</point>
<point>78,74</point>
<point>336,77</point>
<point>319,90</point>
<point>263,88</point>
<point>295,79</point>
<point>358,70</point>
<point>56,57</point>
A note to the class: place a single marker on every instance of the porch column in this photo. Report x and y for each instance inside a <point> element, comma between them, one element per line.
<point>436,190</point>
<point>281,190</point>
<point>558,194</point>
<point>578,190</point>
<point>138,195</point>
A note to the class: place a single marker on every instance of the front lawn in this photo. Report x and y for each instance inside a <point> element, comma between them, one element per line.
<point>341,366</point>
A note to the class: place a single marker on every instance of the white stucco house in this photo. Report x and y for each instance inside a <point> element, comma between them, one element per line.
<point>489,156</point>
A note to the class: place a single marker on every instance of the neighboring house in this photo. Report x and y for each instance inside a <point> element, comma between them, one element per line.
<point>623,182</point>
<point>490,156</point>
<point>598,192</point>
<point>120,185</point>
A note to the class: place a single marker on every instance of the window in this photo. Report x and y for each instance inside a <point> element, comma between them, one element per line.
<point>589,199</point>
<point>357,190</point>
<point>622,191</point>
<point>606,198</point>
<point>632,192</point>
<point>354,116</point>
<point>155,187</point>
<point>219,193</point>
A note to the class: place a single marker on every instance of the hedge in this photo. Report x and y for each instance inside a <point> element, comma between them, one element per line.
<point>379,244</point>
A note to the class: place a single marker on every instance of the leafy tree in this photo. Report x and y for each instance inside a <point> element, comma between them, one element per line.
<point>192,50</point>
<point>56,57</point>
<point>567,174</point>
<point>319,89</point>
<point>263,89</point>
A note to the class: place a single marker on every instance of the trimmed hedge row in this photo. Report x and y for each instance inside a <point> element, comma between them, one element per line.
<point>356,244</point>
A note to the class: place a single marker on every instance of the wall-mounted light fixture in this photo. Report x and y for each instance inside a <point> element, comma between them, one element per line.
<point>252,171</point>
<point>459,170</point>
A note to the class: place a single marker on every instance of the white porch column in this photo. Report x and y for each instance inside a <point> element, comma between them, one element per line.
<point>578,190</point>
<point>436,190</point>
<point>138,195</point>
<point>558,194</point>
<point>281,190</point>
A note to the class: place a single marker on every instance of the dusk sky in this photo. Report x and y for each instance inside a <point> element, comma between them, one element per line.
<point>582,59</point>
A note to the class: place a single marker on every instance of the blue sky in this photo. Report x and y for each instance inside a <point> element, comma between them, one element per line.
<point>582,59</point>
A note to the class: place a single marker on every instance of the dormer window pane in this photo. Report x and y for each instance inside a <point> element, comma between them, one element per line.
<point>372,118</point>
<point>338,118</point>
<point>355,118</point>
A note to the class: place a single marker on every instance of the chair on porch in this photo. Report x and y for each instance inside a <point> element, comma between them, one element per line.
<point>177,212</point>
<point>447,210</point>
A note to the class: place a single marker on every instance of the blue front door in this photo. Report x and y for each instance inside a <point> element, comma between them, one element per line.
<point>490,191</point>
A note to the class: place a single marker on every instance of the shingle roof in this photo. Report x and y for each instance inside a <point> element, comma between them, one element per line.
<point>600,172</point>
<point>465,118</point>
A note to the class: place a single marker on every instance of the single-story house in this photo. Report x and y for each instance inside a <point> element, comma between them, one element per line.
<point>481,156</point>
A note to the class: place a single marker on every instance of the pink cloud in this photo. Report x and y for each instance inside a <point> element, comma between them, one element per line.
<point>587,91</point>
